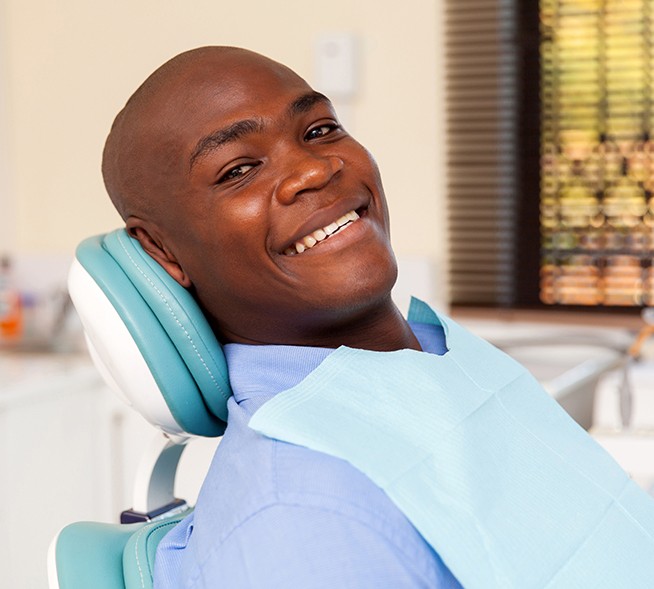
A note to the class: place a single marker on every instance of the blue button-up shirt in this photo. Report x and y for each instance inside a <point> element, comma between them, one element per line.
<point>272,515</point>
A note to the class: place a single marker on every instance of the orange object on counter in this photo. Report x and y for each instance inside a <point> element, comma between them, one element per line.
<point>11,316</point>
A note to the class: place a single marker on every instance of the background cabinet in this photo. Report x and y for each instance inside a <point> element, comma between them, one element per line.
<point>69,451</point>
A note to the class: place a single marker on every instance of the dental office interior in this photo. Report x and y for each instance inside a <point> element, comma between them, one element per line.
<point>514,144</point>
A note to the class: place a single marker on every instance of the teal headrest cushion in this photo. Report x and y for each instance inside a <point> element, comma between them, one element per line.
<point>168,327</point>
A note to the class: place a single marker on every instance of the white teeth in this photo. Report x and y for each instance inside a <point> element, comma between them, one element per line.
<point>318,235</point>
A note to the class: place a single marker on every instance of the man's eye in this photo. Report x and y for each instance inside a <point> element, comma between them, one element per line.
<point>235,172</point>
<point>321,131</point>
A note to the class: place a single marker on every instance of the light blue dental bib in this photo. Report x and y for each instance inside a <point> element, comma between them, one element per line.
<point>497,478</point>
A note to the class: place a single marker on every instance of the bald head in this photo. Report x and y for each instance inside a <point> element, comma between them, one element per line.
<point>142,165</point>
<point>224,165</point>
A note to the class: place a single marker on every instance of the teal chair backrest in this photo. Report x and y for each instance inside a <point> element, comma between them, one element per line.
<point>143,327</point>
<point>88,555</point>
<point>154,347</point>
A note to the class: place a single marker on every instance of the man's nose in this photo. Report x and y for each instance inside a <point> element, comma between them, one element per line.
<point>305,172</point>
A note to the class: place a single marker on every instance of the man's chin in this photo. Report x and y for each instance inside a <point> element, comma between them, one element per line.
<point>357,289</point>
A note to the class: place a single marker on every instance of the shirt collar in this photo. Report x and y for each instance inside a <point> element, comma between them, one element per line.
<point>263,371</point>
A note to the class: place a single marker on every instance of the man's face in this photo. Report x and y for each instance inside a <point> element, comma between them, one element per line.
<point>278,216</point>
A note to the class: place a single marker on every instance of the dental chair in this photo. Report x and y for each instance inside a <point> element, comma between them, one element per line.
<point>154,348</point>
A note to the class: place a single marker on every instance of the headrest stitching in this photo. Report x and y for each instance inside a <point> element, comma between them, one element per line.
<point>165,302</point>
<point>146,529</point>
<point>136,553</point>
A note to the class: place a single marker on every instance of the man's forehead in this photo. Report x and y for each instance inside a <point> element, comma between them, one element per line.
<point>236,74</point>
<point>218,86</point>
<point>214,104</point>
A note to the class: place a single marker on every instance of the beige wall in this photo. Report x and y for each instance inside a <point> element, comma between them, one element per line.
<point>68,66</point>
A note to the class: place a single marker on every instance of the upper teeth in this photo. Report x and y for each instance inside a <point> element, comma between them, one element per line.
<point>308,241</point>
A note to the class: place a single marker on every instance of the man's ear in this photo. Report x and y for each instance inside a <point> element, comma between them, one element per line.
<point>157,250</point>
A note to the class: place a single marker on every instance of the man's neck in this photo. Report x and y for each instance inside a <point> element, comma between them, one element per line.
<point>377,327</point>
<point>385,330</point>
<point>380,328</point>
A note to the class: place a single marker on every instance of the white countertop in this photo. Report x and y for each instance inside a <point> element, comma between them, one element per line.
<point>27,377</point>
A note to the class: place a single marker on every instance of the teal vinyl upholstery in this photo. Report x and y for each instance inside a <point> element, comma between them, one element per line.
<point>139,553</point>
<point>169,328</point>
<point>189,370</point>
<point>109,556</point>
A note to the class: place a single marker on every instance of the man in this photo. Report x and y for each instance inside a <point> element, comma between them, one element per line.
<point>239,180</point>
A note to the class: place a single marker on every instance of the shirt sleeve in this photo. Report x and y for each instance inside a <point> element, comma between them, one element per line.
<point>284,547</point>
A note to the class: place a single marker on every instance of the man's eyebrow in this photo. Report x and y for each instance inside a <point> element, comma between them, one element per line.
<point>237,130</point>
<point>222,136</point>
<point>306,102</point>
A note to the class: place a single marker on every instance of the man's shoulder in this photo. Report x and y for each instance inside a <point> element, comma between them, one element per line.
<point>311,510</point>
<point>265,500</point>
<point>252,474</point>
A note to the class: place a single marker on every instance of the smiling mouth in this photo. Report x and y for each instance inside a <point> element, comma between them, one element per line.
<point>319,235</point>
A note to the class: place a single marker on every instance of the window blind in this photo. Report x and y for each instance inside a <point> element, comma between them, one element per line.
<point>481,121</point>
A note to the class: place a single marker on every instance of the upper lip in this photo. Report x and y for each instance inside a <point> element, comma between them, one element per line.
<point>323,217</point>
